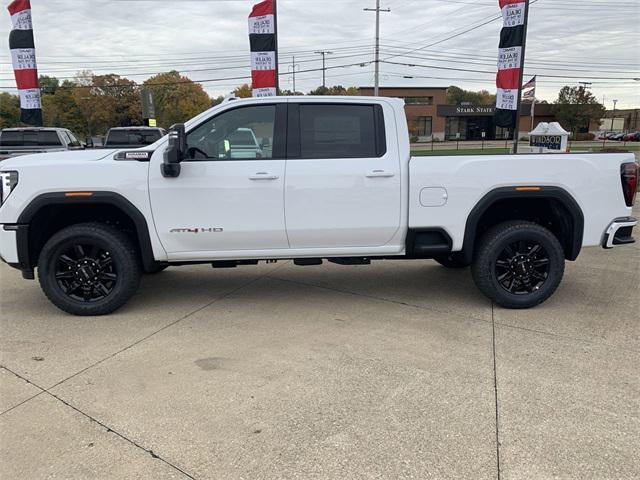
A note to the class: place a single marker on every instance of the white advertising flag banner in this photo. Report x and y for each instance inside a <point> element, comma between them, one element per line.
<point>23,58</point>
<point>264,92</point>
<point>507,99</point>
<point>22,20</point>
<point>30,98</point>
<point>261,25</point>
<point>513,14</point>
<point>263,60</point>
<point>509,58</point>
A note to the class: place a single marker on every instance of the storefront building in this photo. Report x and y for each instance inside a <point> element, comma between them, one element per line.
<point>430,117</point>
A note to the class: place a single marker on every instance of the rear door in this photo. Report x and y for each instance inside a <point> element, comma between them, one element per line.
<point>342,185</point>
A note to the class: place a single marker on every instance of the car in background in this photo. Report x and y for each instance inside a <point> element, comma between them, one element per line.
<point>632,137</point>
<point>132,137</point>
<point>29,140</point>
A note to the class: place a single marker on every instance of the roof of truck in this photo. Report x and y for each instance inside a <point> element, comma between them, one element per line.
<point>21,129</point>
<point>143,127</point>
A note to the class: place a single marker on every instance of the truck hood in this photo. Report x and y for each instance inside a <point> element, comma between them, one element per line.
<point>55,158</point>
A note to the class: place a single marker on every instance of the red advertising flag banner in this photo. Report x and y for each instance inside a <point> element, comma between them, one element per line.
<point>510,53</point>
<point>263,43</point>
<point>23,58</point>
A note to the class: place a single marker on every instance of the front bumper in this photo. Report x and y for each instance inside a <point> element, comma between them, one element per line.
<point>14,248</point>
<point>620,232</point>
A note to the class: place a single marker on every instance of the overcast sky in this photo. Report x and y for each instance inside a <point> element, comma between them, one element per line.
<point>596,41</point>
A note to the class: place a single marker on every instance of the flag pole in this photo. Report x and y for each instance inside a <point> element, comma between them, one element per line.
<point>533,112</point>
<point>516,130</point>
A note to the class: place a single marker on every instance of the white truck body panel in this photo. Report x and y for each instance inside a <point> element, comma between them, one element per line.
<point>593,180</point>
<point>313,208</point>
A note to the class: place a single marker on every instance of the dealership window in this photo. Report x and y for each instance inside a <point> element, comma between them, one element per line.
<point>424,126</point>
<point>418,100</point>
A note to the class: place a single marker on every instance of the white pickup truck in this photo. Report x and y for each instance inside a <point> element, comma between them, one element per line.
<point>333,179</point>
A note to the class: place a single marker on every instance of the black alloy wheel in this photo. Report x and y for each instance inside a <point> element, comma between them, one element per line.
<point>85,272</point>
<point>89,269</point>
<point>518,264</point>
<point>522,267</point>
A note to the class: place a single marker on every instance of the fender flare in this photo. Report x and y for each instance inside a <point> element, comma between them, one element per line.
<point>98,198</point>
<point>502,193</point>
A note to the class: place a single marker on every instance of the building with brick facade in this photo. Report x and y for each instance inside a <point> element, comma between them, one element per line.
<point>430,117</point>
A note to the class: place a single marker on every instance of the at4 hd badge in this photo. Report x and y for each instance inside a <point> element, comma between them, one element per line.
<point>197,230</point>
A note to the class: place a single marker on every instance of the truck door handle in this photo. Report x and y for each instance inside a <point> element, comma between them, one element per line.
<point>263,176</point>
<point>379,173</point>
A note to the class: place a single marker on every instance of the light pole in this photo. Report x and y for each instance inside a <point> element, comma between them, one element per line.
<point>613,117</point>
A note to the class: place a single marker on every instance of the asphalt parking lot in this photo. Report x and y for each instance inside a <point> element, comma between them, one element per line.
<point>395,370</point>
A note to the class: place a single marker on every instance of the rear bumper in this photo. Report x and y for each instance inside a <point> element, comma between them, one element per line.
<point>620,232</point>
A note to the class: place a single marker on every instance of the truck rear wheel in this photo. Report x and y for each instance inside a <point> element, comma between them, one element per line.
<point>518,264</point>
<point>89,269</point>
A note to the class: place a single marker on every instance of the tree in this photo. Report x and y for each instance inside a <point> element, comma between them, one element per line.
<point>457,96</point>
<point>107,101</point>
<point>61,110</point>
<point>335,90</point>
<point>48,84</point>
<point>176,98</point>
<point>576,107</point>
<point>243,91</point>
<point>9,110</point>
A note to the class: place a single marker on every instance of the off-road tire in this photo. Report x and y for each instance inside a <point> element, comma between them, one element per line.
<point>451,261</point>
<point>490,259</point>
<point>119,258</point>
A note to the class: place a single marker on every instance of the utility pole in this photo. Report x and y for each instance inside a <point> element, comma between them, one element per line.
<point>292,68</point>
<point>376,61</point>
<point>323,53</point>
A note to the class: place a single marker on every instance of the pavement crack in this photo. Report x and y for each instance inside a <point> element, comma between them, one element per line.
<point>165,327</point>
<point>495,387</point>
<point>26,399</point>
<point>107,428</point>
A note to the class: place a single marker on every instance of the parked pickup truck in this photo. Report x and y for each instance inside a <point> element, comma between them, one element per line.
<point>132,137</point>
<point>25,141</point>
<point>337,183</point>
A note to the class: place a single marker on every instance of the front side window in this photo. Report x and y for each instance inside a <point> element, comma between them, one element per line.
<point>337,131</point>
<point>240,134</point>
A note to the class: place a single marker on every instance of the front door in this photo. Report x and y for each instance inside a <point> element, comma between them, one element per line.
<point>229,195</point>
<point>343,176</point>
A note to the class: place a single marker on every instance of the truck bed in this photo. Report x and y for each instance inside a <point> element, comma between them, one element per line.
<point>443,190</point>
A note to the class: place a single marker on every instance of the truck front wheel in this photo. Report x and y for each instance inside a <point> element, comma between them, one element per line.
<point>518,264</point>
<point>89,269</point>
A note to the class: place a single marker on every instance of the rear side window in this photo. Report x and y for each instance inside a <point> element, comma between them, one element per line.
<point>48,138</point>
<point>10,138</point>
<point>340,131</point>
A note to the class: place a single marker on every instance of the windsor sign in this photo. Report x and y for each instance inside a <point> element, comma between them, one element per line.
<point>550,142</point>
